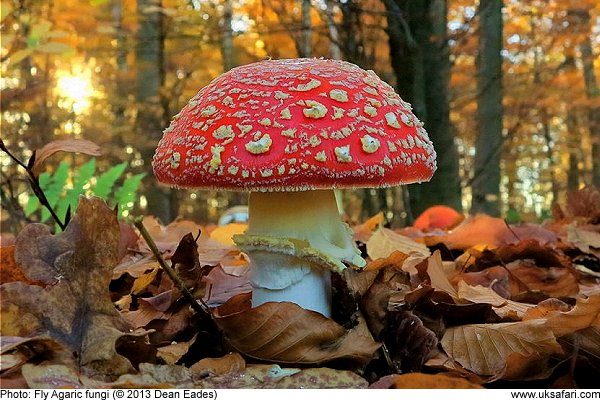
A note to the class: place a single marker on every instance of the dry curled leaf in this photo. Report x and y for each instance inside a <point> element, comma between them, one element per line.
<point>417,380</point>
<point>68,145</point>
<point>501,306</point>
<point>363,232</point>
<point>75,309</point>
<point>485,348</point>
<point>586,313</point>
<point>275,377</point>
<point>229,364</point>
<point>385,241</point>
<point>553,281</point>
<point>285,332</point>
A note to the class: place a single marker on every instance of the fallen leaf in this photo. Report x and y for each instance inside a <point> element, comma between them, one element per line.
<point>584,314</point>
<point>584,203</point>
<point>285,332</point>
<point>496,278</point>
<point>525,367</point>
<point>275,377</point>
<point>16,351</point>
<point>395,258</point>
<point>586,340</point>
<point>417,380</point>
<point>173,352</point>
<point>439,279</point>
<point>51,376</point>
<point>223,234</point>
<point>229,364</point>
<point>485,348</point>
<point>9,269</point>
<point>585,240</point>
<point>222,286</point>
<point>385,241</point>
<point>409,343</point>
<point>68,145</point>
<point>553,281</point>
<point>76,309</point>
<point>501,306</point>
<point>363,232</point>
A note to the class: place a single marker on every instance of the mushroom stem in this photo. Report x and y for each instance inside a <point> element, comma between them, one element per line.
<point>294,239</point>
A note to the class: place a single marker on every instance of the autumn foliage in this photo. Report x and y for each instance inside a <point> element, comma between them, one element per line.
<point>486,304</point>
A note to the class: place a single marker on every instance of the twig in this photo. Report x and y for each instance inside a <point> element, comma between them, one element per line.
<point>197,304</point>
<point>35,186</point>
<point>388,359</point>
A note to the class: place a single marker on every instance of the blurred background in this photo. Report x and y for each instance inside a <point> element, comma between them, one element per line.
<point>508,91</point>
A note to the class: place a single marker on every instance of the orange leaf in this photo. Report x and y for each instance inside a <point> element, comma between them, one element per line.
<point>285,332</point>
<point>419,380</point>
<point>68,145</point>
<point>485,348</point>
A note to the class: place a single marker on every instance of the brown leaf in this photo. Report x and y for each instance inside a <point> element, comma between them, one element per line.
<point>9,269</point>
<point>585,240</point>
<point>496,278</point>
<point>525,367</point>
<point>285,332</point>
<point>417,380</point>
<point>584,203</point>
<point>553,281</point>
<point>76,309</point>
<point>586,313</point>
<point>222,286</point>
<point>385,241</point>
<point>174,351</point>
<point>395,258</point>
<point>275,377</point>
<point>16,351</point>
<point>68,145</point>
<point>363,232</point>
<point>501,306</point>
<point>229,364</point>
<point>409,343</point>
<point>51,376</point>
<point>186,264</point>
<point>485,348</point>
<point>437,275</point>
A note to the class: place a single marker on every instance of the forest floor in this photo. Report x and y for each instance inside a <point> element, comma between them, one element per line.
<point>485,304</point>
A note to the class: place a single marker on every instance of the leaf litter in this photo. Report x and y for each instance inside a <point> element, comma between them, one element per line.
<point>484,304</point>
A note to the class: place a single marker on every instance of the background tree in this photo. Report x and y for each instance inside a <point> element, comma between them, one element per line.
<point>420,58</point>
<point>486,180</point>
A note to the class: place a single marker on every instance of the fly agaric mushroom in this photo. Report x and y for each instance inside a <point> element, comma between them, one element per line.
<point>438,217</point>
<point>289,132</point>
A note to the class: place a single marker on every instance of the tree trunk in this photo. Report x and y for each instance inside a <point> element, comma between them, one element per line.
<point>227,51</point>
<point>486,181</point>
<point>150,118</point>
<point>574,148</point>
<point>306,47</point>
<point>444,187</point>
<point>420,59</point>
<point>593,93</point>
<point>334,38</point>
<point>351,37</point>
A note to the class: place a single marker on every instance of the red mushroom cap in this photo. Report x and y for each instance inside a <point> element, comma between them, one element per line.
<point>438,217</point>
<point>295,124</point>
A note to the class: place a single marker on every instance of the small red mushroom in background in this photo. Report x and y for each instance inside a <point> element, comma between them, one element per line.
<point>290,132</point>
<point>438,217</point>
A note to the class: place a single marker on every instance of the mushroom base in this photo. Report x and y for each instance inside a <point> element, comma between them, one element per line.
<point>294,241</point>
<point>312,291</point>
